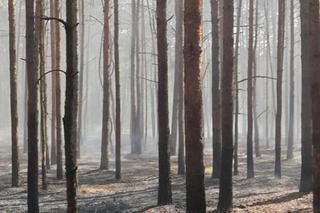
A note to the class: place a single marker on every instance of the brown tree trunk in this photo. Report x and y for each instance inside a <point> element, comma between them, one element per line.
<point>71,104</point>
<point>179,67</point>
<point>104,162</point>
<point>306,136</point>
<point>32,73</point>
<point>216,114</point>
<point>291,105</point>
<point>236,116</point>
<point>117,85</point>
<point>250,166</point>
<point>13,95</point>
<point>164,190</point>
<point>225,193</point>
<point>193,106</point>
<point>280,52</point>
<point>314,65</point>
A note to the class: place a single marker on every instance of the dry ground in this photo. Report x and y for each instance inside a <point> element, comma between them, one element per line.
<point>137,191</point>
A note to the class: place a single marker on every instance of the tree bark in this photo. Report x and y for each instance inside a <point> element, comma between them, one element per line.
<point>280,53</point>
<point>104,163</point>
<point>225,192</point>
<point>193,106</point>
<point>164,190</point>
<point>13,95</point>
<point>179,67</point>
<point>306,122</point>
<point>313,37</point>
<point>291,105</point>
<point>250,166</point>
<point>216,112</point>
<point>236,116</point>
<point>117,85</point>
<point>71,104</point>
<point>32,74</point>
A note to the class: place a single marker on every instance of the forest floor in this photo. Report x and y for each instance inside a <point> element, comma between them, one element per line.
<point>137,191</point>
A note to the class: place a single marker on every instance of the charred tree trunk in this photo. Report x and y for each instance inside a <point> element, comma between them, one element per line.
<point>225,193</point>
<point>117,85</point>
<point>71,104</point>
<point>13,95</point>
<point>250,167</point>
<point>164,190</point>
<point>32,73</point>
<point>280,52</point>
<point>291,105</point>
<point>216,114</point>
<point>306,136</point>
<point>104,163</point>
<point>193,106</point>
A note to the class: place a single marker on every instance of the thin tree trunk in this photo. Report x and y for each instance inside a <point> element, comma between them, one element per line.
<point>58,93</point>
<point>81,75</point>
<point>196,201</point>
<point>280,52</point>
<point>71,104</point>
<point>255,69</point>
<point>216,114</point>
<point>179,70</point>
<point>236,116</point>
<point>306,136</point>
<point>250,167</point>
<point>13,95</point>
<point>117,85</point>
<point>225,192</point>
<point>164,190</point>
<point>104,162</point>
<point>40,32</point>
<point>313,37</point>
<point>291,110</point>
<point>53,83</point>
<point>32,73</point>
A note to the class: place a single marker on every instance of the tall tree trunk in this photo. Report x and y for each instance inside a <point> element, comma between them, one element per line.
<point>236,70</point>
<point>255,90</point>
<point>193,106</point>
<point>104,162</point>
<point>280,52</point>
<point>306,136</point>
<point>53,85</point>
<point>250,167</point>
<point>179,67</point>
<point>216,114</point>
<point>58,93</point>
<point>291,105</point>
<point>164,190</point>
<point>32,73</point>
<point>117,85</point>
<point>81,74</point>
<point>314,67</point>
<point>40,32</point>
<point>225,193</point>
<point>13,95</point>
<point>71,104</point>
